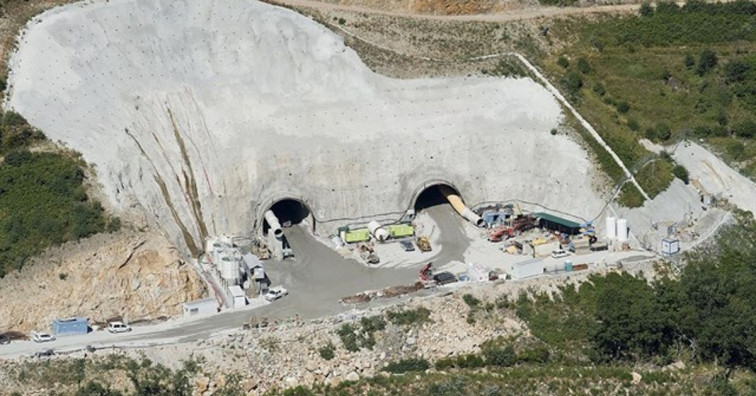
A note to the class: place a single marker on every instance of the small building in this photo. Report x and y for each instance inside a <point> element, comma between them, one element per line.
<point>556,223</point>
<point>205,306</point>
<point>70,326</point>
<point>237,294</point>
<point>670,246</point>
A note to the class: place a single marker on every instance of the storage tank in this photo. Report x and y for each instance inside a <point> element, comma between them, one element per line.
<point>622,230</point>
<point>229,269</point>
<point>377,231</point>
<point>611,227</point>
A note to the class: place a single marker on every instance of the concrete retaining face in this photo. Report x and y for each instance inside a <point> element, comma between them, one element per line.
<point>201,114</point>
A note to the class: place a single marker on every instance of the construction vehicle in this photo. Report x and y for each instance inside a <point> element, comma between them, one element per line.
<point>500,233</point>
<point>426,273</point>
<point>423,244</point>
<point>368,254</point>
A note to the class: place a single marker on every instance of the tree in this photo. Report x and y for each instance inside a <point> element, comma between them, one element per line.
<point>681,173</point>
<point>572,82</point>
<point>646,10</point>
<point>707,60</point>
<point>583,66</point>
<point>689,61</point>
<point>735,71</point>
<point>630,324</point>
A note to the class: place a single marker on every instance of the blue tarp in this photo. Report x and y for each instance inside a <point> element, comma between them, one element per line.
<point>70,326</point>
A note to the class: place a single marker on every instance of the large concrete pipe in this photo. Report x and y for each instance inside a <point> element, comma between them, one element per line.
<point>273,223</point>
<point>459,206</point>
<point>377,231</point>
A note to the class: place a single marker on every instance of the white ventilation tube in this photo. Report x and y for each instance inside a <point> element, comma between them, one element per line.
<point>459,206</point>
<point>273,223</point>
<point>377,231</point>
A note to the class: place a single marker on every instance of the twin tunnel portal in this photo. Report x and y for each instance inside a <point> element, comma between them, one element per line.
<point>291,211</point>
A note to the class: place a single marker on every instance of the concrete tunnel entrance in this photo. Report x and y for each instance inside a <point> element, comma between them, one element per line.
<point>287,212</point>
<point>443,194</point>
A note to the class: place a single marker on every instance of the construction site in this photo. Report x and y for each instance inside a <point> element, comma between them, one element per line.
<point>284,168</point>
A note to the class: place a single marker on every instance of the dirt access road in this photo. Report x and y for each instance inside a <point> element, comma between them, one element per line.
<point>513,15</point>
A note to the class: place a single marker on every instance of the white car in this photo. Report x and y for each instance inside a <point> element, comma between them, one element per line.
<point>42,337</point>
<point>118,327</point>
<point>274,293</point>
<point>559,253</point>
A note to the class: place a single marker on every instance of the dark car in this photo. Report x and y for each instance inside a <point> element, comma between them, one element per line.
<point>4,340</point>
<point>407,246</point>
<point>44,353</point>
<point>443,278</point>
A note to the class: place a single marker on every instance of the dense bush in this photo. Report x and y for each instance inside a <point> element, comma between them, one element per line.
<point>44,203</point>
<point>409,317</point>
<point>327,352</point>
<point>405,365</point>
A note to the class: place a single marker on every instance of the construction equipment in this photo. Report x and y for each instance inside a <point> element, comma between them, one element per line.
<point>426,273</point>
<point>368,254</point>
<point>500,233</point>
<point>423,244</point>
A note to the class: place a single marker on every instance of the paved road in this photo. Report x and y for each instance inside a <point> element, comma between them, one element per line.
<point>316,280</point>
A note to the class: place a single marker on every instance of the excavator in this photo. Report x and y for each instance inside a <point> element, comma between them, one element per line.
<point>426,273</point>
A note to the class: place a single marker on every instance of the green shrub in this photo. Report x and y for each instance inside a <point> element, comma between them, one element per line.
<point>562,61</point>
<point>632,123</point>
<point>373,323</point>
<point>468,361</point>
<point>572,82</point>
<point>500,356</point>
<point>707,60</point>
<point>583,66</point>
<point>646,10</point>
<point>409,317</point>
<point>347,334</point>
<point>327,352</point>
<point>471,301</point>
<point>599,89</point>
<point>536,354</point>
<point>405,365</point>
<point>630,197</point>
<point>623,107</point>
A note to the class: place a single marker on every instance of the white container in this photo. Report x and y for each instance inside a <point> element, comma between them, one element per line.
<point>622,230</point>
<point>670,246</point>
<point>611,227</point>
<point>527,269</point>
<point>240,299</point>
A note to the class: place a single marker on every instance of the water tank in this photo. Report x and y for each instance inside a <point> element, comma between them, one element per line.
<point>622,230</point>
<point>611,227</point>
<point>568,265</point>
<point>377,231</point>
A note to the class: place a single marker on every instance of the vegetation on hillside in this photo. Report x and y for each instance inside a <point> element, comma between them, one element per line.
<point>43,201</point>
<point>666,74</point>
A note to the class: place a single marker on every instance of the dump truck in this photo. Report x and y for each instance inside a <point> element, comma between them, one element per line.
<point>423,244</point>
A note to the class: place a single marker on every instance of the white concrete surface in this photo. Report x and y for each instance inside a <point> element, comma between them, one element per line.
<point>200,114</point>
<point>716,176</point>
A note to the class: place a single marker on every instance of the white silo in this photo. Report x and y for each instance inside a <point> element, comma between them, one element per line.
<point>378,231</point>
<point>229,270</point>
<point>622,230</point>
<point>611,227</point>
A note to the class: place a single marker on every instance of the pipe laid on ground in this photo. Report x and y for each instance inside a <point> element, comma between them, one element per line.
<point>273,223</point>
<point>377,231</point>
<point>459,206</point>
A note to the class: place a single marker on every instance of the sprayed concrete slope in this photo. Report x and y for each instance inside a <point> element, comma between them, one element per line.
<point>204,113</point>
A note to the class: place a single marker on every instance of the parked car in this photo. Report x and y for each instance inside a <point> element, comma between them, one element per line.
<point>274,293</point>
<point>42,337</point>
<point>559,253</point>
<point>44,353</point>
<point>407,245</point>
<point>118,327</point>
<point>4,340</point>
<point>445,277</point>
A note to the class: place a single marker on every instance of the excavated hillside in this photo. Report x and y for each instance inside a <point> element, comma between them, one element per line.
<point>201,115</point>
